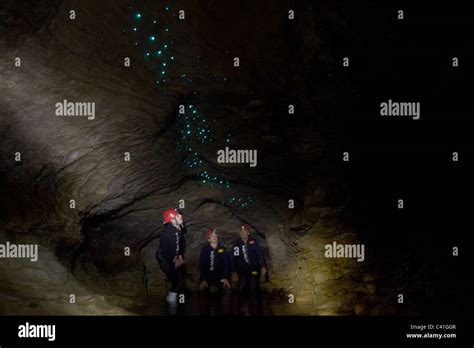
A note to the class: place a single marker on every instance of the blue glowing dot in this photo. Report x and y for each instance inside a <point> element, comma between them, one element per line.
<point>138,15</point>
<point>164,64</point>
<point>166,29</point>
<point>153,38</point>
<point>172,58</point>
<point>135,29</point>
<point>148,54</point>
<point>159,52</point>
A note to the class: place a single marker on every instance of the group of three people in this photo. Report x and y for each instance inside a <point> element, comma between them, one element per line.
<point>245,264</point>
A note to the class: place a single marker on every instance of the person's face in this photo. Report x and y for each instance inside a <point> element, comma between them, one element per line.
<point>244,233</point>
<point>213,238</point>
<point>178,219</point>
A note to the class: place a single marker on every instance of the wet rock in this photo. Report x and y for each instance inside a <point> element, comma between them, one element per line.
<point>119,203</point>
<point>48,285</point>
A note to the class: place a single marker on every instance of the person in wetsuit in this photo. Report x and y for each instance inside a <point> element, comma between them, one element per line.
<point>248,263</point>
<point>214,266</point>
<point>170,254</point>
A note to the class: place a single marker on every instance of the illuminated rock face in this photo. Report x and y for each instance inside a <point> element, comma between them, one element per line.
<point>47,287</point>
<point>88,188</point>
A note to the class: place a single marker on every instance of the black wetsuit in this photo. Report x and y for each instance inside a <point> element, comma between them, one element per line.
<point>172,244</point>
<point>214,265</point>
<point>247,259</point>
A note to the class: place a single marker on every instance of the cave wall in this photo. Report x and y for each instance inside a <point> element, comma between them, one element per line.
<point>119,203</point>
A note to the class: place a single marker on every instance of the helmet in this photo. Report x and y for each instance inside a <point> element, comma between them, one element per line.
<point>209,232</point>
<point>169,214</point>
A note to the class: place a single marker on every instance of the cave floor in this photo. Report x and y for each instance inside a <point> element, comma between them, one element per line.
<point>197,305</point>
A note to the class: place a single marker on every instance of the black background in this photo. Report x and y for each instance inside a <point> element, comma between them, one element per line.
<point>411,60</point>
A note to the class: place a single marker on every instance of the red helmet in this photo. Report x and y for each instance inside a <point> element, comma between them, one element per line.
<point>209,232</point>
<point>245,227</point>
<point>169,214</point>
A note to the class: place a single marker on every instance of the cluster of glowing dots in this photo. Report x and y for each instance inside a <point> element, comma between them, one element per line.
<point>155,44</point>
<point>242,201</point>
<point>192,160</point>
<point>212,180</point>
<point>193,124</point>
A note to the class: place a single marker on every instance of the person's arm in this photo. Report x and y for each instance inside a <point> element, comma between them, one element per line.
<point>159,251</point>
<point>233,258</point>
<point>261,257</point>
<point>226,264</point>
<point>202,265</point>
<point>164,248</point>
<point>182,244</point>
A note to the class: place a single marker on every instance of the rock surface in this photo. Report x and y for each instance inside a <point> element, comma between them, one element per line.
<point>118,203</point>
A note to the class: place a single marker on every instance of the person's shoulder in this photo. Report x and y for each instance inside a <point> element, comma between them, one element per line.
<point>166,230</point>
<point>168,227</point>
<point>252,241</point>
